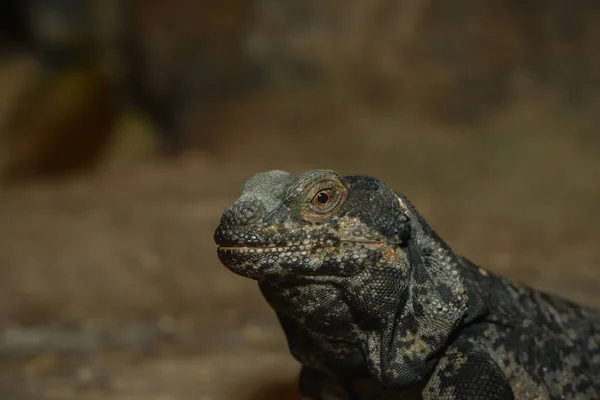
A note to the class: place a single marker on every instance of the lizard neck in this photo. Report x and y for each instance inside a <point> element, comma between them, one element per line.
<point>463,273</point>
<point>438,300</point>
<point>458,282</point>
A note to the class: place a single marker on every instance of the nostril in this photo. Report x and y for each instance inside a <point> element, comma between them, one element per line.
<point>246,212</point>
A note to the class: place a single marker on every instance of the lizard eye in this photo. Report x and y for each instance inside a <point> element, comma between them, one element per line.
<point>324,198</point>
<point>316,195</point>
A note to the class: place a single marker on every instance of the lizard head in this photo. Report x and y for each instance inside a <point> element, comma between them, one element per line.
<point>317,224</point>
<point>351,262</point>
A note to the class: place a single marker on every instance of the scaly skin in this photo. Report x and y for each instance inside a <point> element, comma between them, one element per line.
<point>376,306</point>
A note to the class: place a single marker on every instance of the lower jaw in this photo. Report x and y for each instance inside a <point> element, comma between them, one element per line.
<point>261,271</point>
<point>250,262</point>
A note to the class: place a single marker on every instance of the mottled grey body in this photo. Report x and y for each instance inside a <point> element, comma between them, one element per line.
<point>376,306</point>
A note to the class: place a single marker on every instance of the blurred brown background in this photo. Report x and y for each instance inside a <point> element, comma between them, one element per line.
<point>126,127</point>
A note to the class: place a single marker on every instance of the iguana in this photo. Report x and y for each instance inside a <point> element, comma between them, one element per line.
<point>375,305</point>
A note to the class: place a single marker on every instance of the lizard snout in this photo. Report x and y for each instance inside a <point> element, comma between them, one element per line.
<point>246,212</point>
<point>242,213</point>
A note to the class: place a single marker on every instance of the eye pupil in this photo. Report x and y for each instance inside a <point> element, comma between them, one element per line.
<point>322,198</point>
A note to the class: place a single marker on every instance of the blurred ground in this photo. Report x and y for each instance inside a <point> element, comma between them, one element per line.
<point>110,287</point>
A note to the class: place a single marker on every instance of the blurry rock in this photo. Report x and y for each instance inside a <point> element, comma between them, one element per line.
<point>64,118</point>
<point>177,62</point>
<point>60,125</point>
<point>134,140</point>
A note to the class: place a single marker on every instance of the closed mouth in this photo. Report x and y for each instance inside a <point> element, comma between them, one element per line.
<point>239,247</point>
<point>304,246</point>
<point>337,256</point>
<point>252,248</point>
